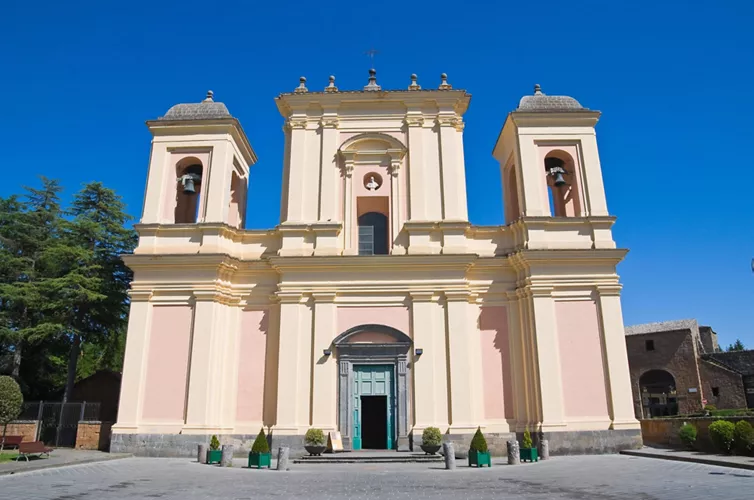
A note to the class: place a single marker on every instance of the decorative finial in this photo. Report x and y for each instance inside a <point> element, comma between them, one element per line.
<point>538,90</point>
<point>372,85</point>
<point>209,97</point>
<point>414,85</point>
<point>301,86</point>
<point>444,85</point>
<point>331,87</point>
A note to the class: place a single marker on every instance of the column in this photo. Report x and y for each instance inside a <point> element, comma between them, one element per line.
<point>428,399</point>
<point>465,367</point>
<point>416,169</point>
<point>134,363</point>
<point>349,222</point>
<point>295,168</point>
<point>328,201</point>
<point>453,174</point>
<point>294,366</point>
<point>325,371</point>
<point>618,378</point>
<point>205,343</point>
<point>547,357</point>
<point>396,217</point>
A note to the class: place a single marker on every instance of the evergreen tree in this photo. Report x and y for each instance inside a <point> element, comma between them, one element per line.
<point>736,346</point>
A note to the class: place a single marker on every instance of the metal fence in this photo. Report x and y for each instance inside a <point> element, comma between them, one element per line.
<point>58,422</point>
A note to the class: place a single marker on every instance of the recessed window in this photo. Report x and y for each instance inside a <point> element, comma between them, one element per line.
<point>716,391</point>
<point>650,345</point>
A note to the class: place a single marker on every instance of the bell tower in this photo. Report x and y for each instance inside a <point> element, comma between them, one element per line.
<point>199,166</point>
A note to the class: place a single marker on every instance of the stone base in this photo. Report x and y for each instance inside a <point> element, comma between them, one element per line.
<point>561,443</point>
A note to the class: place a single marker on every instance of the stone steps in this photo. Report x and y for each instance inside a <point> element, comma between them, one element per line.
<point>370,458</point>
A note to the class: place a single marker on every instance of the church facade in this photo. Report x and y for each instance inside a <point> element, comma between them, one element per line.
<point>375,309</point>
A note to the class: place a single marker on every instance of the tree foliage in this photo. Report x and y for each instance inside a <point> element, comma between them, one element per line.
<point>11,401</point>
<point>63,286</point>
<point>260,443</point>
<point>736,346</point>
<point>478,442</point>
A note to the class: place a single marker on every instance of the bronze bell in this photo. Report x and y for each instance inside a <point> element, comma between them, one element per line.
<point>554,167</point>
<point>559,180</point>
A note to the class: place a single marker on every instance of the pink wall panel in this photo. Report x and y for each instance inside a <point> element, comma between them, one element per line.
<point>496,375</point>
<point>167,363</point>
<point>250,401</point>
<point>395,316</point>
<point>581,364</point>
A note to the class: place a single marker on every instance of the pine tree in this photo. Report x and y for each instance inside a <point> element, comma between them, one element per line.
<point>736,346</point>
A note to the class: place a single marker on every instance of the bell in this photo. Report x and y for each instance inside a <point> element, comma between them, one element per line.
<point>559,180</point>
<point>188,185</point>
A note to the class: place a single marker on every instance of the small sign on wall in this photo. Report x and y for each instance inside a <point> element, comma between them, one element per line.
<point>692,389</point>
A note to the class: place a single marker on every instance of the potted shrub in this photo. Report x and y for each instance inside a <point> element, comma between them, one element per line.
<point>528,451</point>
<point>431,440</point>
<point>743,438</point>
<point>260,455</point>
<point>214,454</point>
<point>479,455</point>
<point>314,442</point>
<point>721,432</point>
<point>687,435</point>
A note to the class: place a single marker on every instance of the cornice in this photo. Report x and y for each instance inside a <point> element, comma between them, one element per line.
<point>222,125</point>
<point>369,263</point>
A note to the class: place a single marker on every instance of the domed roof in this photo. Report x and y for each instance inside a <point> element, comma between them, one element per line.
<point>541,102</point>
<point>208,109</point>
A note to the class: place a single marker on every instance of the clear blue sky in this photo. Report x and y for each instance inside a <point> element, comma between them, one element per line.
<point>673,80</point>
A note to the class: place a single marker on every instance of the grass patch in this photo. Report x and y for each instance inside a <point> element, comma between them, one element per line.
<point>7,456</point>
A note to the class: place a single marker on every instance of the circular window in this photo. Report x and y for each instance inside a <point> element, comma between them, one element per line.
<point>373,181</point>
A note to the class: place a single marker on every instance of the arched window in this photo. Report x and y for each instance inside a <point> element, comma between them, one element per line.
<point>189,173</point>
<point>658,394</point>
<point>562,183</point>
<point>373,234</point>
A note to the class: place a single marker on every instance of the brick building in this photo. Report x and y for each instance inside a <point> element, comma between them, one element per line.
<point>676,368</point>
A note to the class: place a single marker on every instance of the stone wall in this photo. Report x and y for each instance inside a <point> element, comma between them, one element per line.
<point>25,428</point>
<point>675,352</point>
<point>93,435</point>
<point>729,385</point>
<point>664,431</point>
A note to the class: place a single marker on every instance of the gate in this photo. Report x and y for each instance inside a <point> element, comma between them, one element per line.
<point>59,422</point>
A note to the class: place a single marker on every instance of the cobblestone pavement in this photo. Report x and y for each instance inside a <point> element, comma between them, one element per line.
<point>610,477</point>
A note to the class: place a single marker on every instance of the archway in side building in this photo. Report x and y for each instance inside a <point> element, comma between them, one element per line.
<point>373,387</point>
<point>658,394</point>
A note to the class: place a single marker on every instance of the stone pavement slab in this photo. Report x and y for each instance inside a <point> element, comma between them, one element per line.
<point>58,458</point>
<point>694,456</point>
<point>612,477</point>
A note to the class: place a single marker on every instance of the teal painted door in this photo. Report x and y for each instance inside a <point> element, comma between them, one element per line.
<point>372,380</point>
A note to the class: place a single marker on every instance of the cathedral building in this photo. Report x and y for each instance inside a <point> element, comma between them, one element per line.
<point>375,308</point>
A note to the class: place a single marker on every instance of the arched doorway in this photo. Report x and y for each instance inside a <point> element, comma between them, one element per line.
<point>373,387</point>
<point>658,394</point>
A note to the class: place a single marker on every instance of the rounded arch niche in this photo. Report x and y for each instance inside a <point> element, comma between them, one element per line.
<point>366,345</point>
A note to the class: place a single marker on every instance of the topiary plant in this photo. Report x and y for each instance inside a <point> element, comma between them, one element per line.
<point>526,442</point>
<point>260,443</point>
<point>743,437</point>
<point>721,432</point>
<point>11,401</point>
<point>710,407</point>
<point>314,437</point>
<point>431,436</point>
<point>687,435</point>
<point>214,443</point>
<point>478,443</point>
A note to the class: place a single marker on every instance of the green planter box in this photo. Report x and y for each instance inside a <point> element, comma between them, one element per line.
<point>260,460</point>
<point>479,458</point>
<point>214,456</point>
<point>529,454</point>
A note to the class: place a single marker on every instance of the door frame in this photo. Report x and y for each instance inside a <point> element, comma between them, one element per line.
<point>387,353</point>
<point>390,404</point>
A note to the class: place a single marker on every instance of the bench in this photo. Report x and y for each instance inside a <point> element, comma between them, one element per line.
<point>11,441</point>
<point>33,448</point>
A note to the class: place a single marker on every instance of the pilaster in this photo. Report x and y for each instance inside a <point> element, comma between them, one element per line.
<point>429,369</point>
<point>349,214</point>
<point>296,167</point>
<point>294,364</point>
<point>453,172</point>
<point>328,200</point>
<point>324,368</point>
<point>418,203</point>
<point>134,363</point>
<point>466,411</point>
<point>618,378</point>
<point>396,215</point>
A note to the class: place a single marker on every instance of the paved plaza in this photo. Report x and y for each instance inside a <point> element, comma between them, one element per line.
<point>611,477</point>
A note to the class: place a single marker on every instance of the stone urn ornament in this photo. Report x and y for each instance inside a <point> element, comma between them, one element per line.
<point>314,442</point>
<point>431,440</point>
